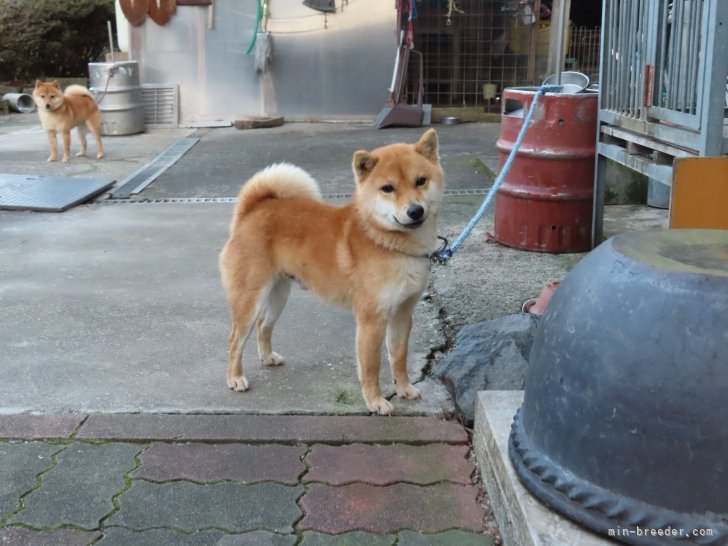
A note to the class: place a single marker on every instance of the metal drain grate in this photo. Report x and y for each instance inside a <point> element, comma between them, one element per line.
<point>140,179</point>
<point>477,191</point>
<point>447,192</point>
<point>161,105</point>
<point>188,200</point>
<point>183,200</point>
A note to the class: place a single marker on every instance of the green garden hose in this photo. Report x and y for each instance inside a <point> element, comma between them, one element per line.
<point>258,18</point>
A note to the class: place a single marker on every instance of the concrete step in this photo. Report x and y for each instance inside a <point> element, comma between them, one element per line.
<point>522,519</point>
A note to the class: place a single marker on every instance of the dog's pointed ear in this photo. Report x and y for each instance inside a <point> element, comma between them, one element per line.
<point>427,146</point>
<point>363,163</point>
<point>57,84</point>
<point>38,83</point>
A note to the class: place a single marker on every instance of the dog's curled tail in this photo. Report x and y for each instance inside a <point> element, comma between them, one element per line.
<point>279,181</point>
<point>77,90</point>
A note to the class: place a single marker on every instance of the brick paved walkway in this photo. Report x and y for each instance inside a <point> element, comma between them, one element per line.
<point>118,479</point>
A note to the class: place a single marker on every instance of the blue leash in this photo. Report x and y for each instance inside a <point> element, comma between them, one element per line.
<point>443,255</point>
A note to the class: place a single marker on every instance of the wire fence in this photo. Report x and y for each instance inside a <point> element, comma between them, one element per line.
<point>471,54</point>
<point>583,53</point>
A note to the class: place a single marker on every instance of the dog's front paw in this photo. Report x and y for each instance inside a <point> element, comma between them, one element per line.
<point>381,406</point>
<point>408,391</point>
<point>273,359</point>
<point>81,154</point>
<point>52,157</point>
<point>66,159</point>
<point>238,383</point>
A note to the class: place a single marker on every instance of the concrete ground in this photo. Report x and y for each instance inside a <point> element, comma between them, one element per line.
<point>118,309</point>
<point>127,297</point>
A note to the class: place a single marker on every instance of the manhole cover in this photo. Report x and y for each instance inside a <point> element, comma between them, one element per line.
<point>47,193</point>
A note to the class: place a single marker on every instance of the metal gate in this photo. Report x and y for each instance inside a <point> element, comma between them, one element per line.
<point>664,70</point>
<point>662,86</point>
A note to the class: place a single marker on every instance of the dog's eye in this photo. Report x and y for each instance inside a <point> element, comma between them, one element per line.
<point>421,181</point>
<point>387,189</point>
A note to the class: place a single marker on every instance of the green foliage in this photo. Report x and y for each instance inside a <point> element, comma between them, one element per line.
<point>52,38</point>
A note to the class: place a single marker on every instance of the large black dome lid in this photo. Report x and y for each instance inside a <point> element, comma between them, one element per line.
<point>624,424</point>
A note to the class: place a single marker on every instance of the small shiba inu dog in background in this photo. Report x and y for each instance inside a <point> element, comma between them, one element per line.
<point>60,111</point>
<point>370,256</point>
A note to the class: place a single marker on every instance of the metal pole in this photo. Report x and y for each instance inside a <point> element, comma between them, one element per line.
<point>563,14</point>
<point>111,40</point>
<point>559,25</point>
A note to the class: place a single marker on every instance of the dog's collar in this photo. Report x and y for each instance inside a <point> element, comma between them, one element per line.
<point>437,257</point>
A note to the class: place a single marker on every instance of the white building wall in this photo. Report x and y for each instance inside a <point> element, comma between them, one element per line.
<point>333,67</point>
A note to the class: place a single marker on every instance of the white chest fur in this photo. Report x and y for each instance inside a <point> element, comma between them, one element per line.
<point>404,282</point>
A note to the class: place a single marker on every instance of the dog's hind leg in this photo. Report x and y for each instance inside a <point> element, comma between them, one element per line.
<point>398,332</point>
<point>274,301</point>
<point>244,311</point>
<point>94,125</point>
<point>82,130</point>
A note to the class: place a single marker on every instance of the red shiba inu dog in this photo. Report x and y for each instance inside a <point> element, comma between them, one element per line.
<point>371,256</point>
<point>61,111</point>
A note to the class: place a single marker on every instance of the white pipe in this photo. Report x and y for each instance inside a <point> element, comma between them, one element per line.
<point>122,29</point>
<point>111,40</point>
<point>396,62</point>
<point>20,102</point>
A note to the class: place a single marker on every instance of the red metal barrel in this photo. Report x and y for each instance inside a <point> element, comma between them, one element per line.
<point>545,202</point>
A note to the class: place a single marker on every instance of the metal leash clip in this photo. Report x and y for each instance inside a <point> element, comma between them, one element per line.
<point>442,254</point>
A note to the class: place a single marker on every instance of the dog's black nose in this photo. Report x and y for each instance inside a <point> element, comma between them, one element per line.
<point>415,212</point>
<point>48,106</point>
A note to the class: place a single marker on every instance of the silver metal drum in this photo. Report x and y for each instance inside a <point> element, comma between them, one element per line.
<point>117,90</point>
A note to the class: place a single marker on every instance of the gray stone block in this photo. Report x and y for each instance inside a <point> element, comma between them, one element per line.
<point>21,463</point>
<point>79,489</point>
<point>490,355</point>
<point>25,426</point>
<point>20,536</point>
<point>448,538</point>
<point>4,88</point>
<point>118,536</point>
<point>355,538</point>
<point>214,462</point>
<point>271,428</point>
<point>189,506</point>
